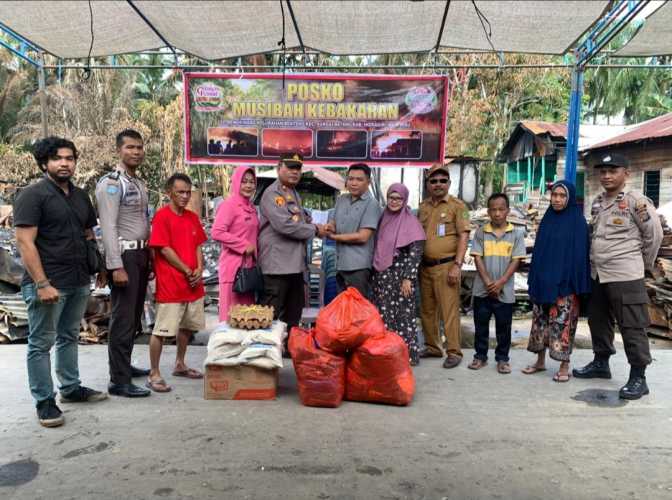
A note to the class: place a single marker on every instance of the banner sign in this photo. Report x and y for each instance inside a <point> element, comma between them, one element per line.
<point>331,119</point>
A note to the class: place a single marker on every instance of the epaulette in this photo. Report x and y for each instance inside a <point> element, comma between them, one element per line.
<point>114,175</point>
<point>637,196</point>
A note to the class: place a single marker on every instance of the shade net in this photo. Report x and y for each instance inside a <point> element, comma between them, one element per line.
<point>215,30</point>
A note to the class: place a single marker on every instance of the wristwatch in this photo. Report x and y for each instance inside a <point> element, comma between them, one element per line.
<point>42,284</point>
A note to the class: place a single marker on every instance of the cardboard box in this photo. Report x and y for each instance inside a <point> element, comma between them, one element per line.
<point>239,382</point>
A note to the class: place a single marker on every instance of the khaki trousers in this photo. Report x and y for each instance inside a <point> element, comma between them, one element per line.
<point>440,301</point>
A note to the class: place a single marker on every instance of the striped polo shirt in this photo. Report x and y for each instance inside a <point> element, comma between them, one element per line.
<point>497,253</point>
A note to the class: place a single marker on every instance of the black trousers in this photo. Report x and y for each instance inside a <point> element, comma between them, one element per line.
<point>484,309</point>
<point>623,303</point>
<point>127,307</point>
<point>287,294</point>
<point>359,279</point>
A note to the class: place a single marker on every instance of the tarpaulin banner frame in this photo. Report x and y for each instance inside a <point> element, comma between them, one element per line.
<point>333,119</point>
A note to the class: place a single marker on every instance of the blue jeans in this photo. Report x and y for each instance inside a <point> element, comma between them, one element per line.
<point>50,324</point>
<point>484,308</point>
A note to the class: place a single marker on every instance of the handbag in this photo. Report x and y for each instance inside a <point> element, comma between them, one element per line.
<point>248,279</point>
<point>94,259</point>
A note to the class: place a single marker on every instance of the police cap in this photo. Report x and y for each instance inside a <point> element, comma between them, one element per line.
<point>291,160</point>
<point>612,160</point>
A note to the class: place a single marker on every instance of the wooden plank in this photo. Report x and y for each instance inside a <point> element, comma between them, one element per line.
<point>658,315</point>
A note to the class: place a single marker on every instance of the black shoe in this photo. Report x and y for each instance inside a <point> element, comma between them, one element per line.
<point>83,395</point>
<point>430,353</point>
<point>634,389</point>
<point>138,372</point>
<point>48,413</point>
<point>452,361</point>
<point>595,369</point>
<point>128,390</point>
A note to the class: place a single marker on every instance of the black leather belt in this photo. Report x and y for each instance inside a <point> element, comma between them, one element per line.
<point>436,262</point>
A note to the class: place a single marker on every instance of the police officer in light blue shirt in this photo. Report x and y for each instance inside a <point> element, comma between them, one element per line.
<point>124,219</point>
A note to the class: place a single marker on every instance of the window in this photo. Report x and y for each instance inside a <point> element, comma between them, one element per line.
<point>652,186</point>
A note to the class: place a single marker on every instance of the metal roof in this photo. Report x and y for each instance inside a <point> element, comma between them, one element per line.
<point>651,129</point>
<point>329,177</point>
<point>549,135</point>
<point>538,128</point>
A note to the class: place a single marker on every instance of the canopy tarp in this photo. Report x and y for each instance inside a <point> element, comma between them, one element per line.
<point>655,37</point>
<point>215,30</point>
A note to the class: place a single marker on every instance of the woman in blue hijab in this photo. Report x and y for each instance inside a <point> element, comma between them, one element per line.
<point>559,274</point>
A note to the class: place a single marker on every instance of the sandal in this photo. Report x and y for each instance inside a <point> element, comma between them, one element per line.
<point>530,369</point>
<point>561,377</point>
<point>503,367</point>
<point>158,385</point>
<point>477,364</point>
<point>188,373</point>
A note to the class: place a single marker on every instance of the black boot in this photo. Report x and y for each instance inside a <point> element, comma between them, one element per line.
<point>597,368</point>
<point>636,386</point>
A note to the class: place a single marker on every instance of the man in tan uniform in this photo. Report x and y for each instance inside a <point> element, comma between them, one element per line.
<point>445,220</point>
<point>626,236</point>
<point>284,231</point>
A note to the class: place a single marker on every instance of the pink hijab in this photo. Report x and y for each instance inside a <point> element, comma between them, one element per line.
<point>235,196</point>
<point>395,230</point>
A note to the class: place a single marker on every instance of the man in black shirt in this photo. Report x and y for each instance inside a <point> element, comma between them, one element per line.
<point>53,220</point>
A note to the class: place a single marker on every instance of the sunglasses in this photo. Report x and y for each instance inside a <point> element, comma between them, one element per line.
<point>436,181</point>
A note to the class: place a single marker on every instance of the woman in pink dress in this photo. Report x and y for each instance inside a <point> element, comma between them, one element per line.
<point>236,227</point>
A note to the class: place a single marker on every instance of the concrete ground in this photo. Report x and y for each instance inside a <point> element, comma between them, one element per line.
<point>467,435</point>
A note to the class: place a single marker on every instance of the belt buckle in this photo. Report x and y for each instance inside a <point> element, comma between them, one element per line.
<point>132,245</point>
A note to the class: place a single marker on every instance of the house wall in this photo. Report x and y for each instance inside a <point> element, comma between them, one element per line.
<point>554,170</point>
<point>580,174</point>
<point>645,156</point>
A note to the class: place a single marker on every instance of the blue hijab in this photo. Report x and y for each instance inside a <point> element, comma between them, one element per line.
<point>561,255</point>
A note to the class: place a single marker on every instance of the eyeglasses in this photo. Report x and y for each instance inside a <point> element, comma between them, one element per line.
<point>395,198</point>
<point>442,181</point>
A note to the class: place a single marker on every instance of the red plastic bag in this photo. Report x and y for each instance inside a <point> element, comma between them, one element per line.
<point>320,375</point>
<point>347,322</point>
<point>379,371</point>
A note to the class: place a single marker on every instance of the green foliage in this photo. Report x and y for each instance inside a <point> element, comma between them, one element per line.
<point>484,104</point>
<point>637,93</point>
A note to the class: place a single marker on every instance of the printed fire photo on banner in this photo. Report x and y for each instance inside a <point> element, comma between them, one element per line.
<point>233,141</point>
<point>276,141</point>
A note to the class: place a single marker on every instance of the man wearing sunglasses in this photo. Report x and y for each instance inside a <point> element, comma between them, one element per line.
<point>445,220</point>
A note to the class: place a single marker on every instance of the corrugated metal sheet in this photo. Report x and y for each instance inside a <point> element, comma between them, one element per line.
<point>329,177</point>
<point>651,129</point>
<point>324,175</point>
<point>538,128</point>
